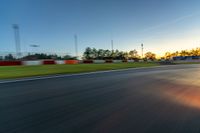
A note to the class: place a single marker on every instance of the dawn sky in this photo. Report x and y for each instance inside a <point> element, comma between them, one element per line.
<point>162,25</point>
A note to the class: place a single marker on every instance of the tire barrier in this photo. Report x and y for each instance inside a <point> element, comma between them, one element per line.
<point>52,62</point>
<point>49,62</point>
<point>71,61</point>
<point>10,63</point>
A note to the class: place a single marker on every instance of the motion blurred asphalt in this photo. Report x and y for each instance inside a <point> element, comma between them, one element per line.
<point>150,100</point>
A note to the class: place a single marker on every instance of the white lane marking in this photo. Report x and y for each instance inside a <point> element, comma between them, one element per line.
<point>70,75</point>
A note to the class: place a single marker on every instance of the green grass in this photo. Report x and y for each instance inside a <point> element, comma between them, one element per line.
<point>8,72</point>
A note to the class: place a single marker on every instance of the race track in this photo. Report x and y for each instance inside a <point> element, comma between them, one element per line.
<point>150,100</point>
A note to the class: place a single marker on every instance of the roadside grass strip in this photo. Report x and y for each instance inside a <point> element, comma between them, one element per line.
<point>11,72</point>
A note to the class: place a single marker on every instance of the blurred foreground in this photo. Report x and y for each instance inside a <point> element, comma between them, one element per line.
<point>151,100</point>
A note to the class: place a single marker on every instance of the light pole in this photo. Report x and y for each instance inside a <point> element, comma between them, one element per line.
<point>17,40</point>
<point>112,46</point>
<point>142,49</point>
<point>76,45</point>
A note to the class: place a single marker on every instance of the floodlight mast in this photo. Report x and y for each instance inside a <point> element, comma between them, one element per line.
<point>142,49</point>
<point>17,40</point>
<point>76,45</point>
<point>112,46</point>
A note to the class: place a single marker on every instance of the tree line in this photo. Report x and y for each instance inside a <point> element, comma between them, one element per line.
<point>101,54</point>
<point>192,52</point>
<point>38,56</point>
<point>89,54</point>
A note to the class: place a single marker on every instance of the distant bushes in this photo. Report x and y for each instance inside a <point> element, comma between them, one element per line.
<point>46,56</point>
<point>38,56</point>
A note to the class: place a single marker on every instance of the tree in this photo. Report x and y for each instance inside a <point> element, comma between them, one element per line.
<point>94,53</point>
<point>88,53</point>
<point>150,56</point>
<point>120,55</point>
<point>195,52</point>
<point>107,54</point>
<point>125,55</point>
<point>9,57</point>
<point>133,54</point>
<point>168,55</point>
<point>115,54</point>
<point>100,53</point>
<point>46,56</point>
<point>184,53</point>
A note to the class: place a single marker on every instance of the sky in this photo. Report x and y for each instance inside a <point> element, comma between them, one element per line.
<point>161,25</point>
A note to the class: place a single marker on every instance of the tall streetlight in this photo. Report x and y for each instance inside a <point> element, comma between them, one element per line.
<point>112,46</point>
<point>76,44</point>
<point>142,49</point>
<point>17,40</point>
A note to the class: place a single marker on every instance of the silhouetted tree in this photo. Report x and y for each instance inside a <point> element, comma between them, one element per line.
<point>150,56</point>
<point>133,54</point>
<point>193,52</point>
<point>168,56</point>
<point>88,53</point>
<point>92,53</point>
<point>100,53</point>
<point>9,57</point>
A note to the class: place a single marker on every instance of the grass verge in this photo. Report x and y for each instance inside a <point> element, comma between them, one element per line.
<point>8,72</point>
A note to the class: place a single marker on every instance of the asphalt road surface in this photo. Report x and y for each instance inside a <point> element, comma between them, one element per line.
<point>151,100</point>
